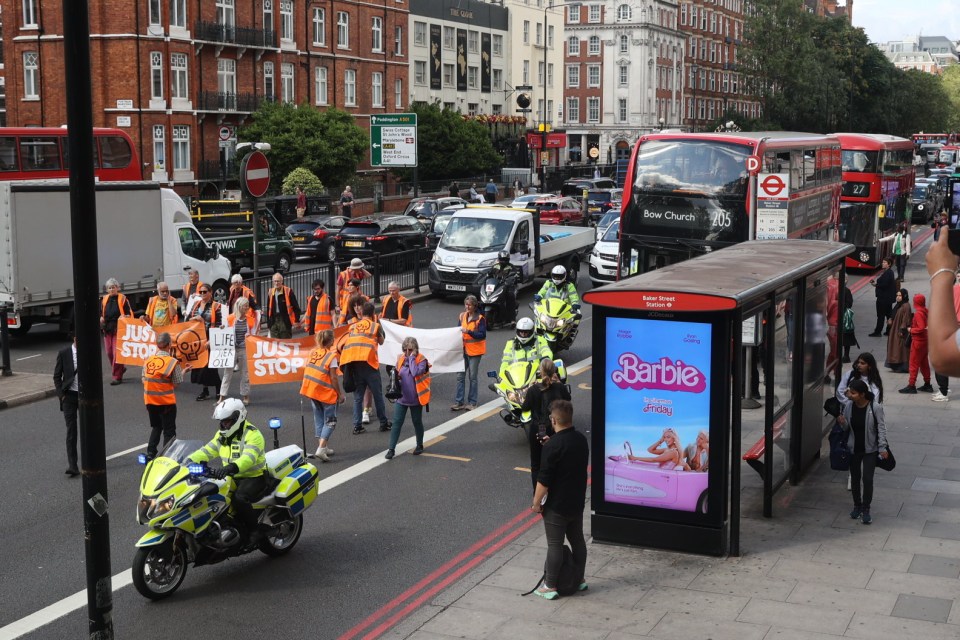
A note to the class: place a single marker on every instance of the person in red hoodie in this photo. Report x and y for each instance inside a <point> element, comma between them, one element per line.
<point>919,361</point>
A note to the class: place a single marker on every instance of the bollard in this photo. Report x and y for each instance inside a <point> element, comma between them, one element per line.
<point>5,369</point>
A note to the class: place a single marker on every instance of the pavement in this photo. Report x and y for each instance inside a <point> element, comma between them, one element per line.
<point>807,573</point>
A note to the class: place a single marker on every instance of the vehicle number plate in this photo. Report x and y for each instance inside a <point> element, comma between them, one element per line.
<point>456,287</point>
<point>353,243</point>
<point>299,238</point>
<point>491,287</point>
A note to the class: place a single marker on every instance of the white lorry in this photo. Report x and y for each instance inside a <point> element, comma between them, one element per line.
<point>474,235</point>
<point>144,236</point>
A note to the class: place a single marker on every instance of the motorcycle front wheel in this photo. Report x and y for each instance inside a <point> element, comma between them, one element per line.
<point>283,538</point>
<point>158,571</point>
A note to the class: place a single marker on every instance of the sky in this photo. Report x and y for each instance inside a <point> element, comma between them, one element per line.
<point>886,20</point>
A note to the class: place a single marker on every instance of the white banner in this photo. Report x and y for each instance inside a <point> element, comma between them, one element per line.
<point>443,348</point>
<point>223,350</point>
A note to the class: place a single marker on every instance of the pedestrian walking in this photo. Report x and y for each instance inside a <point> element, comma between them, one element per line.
<point>898,351</point>
<point>863,420</point>
<point>454,189</point>
<point>282,310</point>
<point>919,355</point>
<point>208,311</point>
<point>161,374</point>
<point>346,202</point>
<point>560,496</point>
<point>113,306</point>
<point>902,246</point>
<point>864,368</point>
<point>848,325</point>
<point>301,202</point>
<point>886,293</point>
<point>319,314</point>
<point>360,353</point>
<point>491,191</point>
<point>321,385</point>
<point>68,391</point>
<point>537,402</point>
<point>473,330</point>
<point>239,290</point>
<point>413,371</point>
<point>245,322</point>
<point>395,308</point>
<point>162,309</point>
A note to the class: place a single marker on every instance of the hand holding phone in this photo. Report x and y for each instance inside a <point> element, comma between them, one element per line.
<point>953,216</point>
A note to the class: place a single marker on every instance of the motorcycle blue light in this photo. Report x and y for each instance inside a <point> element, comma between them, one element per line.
<point>195,469</point>
<point>142,458</point>
<point>275,423</point>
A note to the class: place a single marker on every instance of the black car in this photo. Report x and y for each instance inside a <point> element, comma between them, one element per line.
<point>436,225</point>
<point>428,207</point>
<point>284,208</point>
<point>363,237</point>
<point>574,187</point>
<point>313,236</point>
<point>599,201</point>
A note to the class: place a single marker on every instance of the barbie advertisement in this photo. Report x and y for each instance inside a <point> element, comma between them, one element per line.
<point>657,386</point>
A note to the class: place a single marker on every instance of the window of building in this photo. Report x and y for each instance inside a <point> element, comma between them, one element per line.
<point>539,37</point>
<point>526,32</point>
<point>419,72</point>
<point>156,75</point>
<point>473,41</point>
<point>29,13</point>
<point>497,45</point>
<point>319,27</point>
<point>178,13</point>
<point>287,93</point>
<point>593,109</point>
<point>376,89</point>
<point>540,71</point>
<point>526,72</point>
<point>398,93</point>
<point>449,37</point>
<point>227,76</point>
<point>497,109</point>
<point>376,32</point>
<point>624,13</point>
<point>573,46</point>
<point>449,75</point>
<point>496,78</point>
<point>473,108</point>
<point>181,147</point>
<point>573,13</point>
<point>269,86</point>
<point>573,109</point>
<point>573,76</point>
<point>550,74</point>
<point>320,76</point>
<point>593,75</point>
<point>550,36</point>
<point>31,74</point>
<point>178,76</point>
<point>159,147</point>
<point>623,75</point>
<point>226,16</point>
<point>350,87</point>
<point>593,46</point>
<point>398,41</point>
<point>594,15</point>
<point>154,13</point>
<point>473,77</point>
<point>343,30</point>
<point>622,110</point>
<point>549,110</point>
<point>449,106</point>
<point>420,34</point>
<point>624,44</point>
<point>286,20</point>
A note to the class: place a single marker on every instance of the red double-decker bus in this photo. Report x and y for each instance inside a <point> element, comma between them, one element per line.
<point>878,177</point>
<point>35,153</point>
<point>690,193</point>
<point>931,138</point>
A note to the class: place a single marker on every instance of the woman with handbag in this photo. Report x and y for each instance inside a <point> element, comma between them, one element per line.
<point>537,402</point>
<point>863,419</point>
<point>413,372</point>
<point>898,351</point>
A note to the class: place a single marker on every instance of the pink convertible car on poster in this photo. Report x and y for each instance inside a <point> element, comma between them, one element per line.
<point>649,485</point>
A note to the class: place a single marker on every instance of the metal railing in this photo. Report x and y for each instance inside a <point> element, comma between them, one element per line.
<point>213,170</point>
<point>221,101</point>
<point>229,34</point>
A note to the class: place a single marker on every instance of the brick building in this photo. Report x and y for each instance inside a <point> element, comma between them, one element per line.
<point>179,76</point>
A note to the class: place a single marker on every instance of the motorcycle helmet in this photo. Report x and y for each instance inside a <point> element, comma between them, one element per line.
<point>231,415</point>
<point>503,257</point>
<point>524,330</point>
<point>558,275</point>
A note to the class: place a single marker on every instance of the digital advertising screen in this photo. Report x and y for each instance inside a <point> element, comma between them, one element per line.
<point>657,406</point>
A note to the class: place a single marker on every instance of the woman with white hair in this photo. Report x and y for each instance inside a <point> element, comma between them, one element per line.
<point>244,321</point>
<point>113,306</point>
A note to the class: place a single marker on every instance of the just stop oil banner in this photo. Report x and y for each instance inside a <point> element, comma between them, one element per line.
<point>657,399</point>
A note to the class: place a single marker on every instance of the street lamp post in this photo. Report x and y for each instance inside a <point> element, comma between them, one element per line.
<point>543,114</point>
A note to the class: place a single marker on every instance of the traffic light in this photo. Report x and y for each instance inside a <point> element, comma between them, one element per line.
<point>523,100</point>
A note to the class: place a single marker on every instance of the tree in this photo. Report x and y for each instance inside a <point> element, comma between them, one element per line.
<point>302,177</point>
<point>951,85</point>
<point>449,146</point>
<point>327,143</point>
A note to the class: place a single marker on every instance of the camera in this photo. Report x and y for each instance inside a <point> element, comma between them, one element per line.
<point>953,215</point>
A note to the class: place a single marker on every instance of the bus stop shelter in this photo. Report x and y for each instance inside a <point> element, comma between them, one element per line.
<point>669,378</point>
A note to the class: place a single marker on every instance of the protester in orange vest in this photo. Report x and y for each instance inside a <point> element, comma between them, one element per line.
<point>282,310</point>
<point>414,373</point>
<point>396,308</point>
<point>161,375</point>
<point>355,271</point>
<point>192,288</point>
<point>210,313</point>
<point>162,309</point>
<point>346,312</point>
<point>112,306</point>
<point>360,355</point>
<point>321,384</point>
<point>473,327</point>
<point>245,322</point>
<point>240,290</point>
<point>319,316</point>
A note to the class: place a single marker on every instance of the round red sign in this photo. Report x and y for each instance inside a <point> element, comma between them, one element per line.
<point>753,165</point>
<point>255,174</point>
<point>773,186</point>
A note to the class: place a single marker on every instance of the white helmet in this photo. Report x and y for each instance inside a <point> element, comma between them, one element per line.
<point>558,275</point>
<point>231,415</point>
<point>524,330</point>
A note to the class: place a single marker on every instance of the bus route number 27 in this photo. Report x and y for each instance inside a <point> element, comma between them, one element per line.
<point>720,219</point>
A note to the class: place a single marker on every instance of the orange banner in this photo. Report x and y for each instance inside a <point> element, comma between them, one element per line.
<point>272,360</point>
<point>137,341</point>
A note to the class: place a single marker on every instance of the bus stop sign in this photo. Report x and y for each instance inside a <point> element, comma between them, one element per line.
<point>255,174</point>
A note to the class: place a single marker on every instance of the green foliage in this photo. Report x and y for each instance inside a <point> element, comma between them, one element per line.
<point>449,146</point>
<point>302,177</point>
<point>951,85</point>
<point>327,143</point>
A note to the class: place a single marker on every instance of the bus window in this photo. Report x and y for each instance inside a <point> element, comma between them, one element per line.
<point>66,153</point>
<point>114,152</point>
<point>8,153</point>
<point>40,154</point>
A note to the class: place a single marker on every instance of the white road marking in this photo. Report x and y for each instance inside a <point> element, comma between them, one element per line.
<point>36,355</point>
<point>123,453</point>
<point>78,600</point>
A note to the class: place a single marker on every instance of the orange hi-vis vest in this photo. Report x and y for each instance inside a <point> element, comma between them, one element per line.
<point>423,381</point>
<point>286,299</point>
<point>345,305</point>
<point>319,315</point>
<point>158,381</point>
<point>471,345</point>
<point>318,377</point>
<point>361,343</point>
<point>251,321</point>
<point>188,291</point>
<point>173,316</point>
<point>402,305</point>
<point>121,303</point>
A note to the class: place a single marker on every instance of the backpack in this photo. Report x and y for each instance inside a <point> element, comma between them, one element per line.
<point>848,320</point>
<point>568,582</point>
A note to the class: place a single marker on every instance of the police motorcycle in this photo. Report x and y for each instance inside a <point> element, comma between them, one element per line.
<point>556,319</point>
<point>187,507</point>
<point>498,295</point>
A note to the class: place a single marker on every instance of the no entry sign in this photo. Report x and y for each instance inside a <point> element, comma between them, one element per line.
<point>255,174</point>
